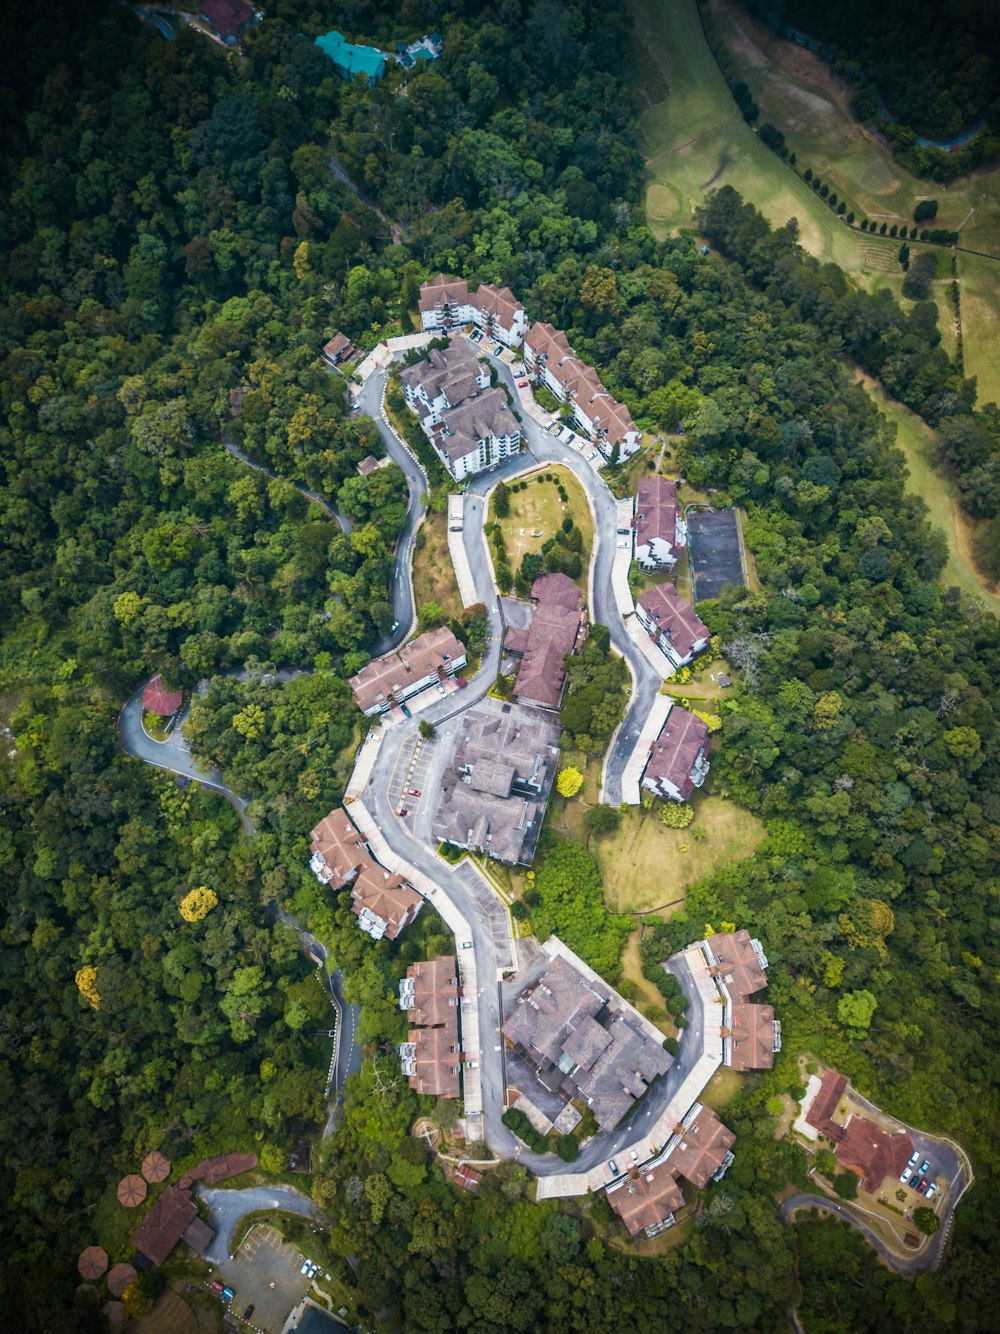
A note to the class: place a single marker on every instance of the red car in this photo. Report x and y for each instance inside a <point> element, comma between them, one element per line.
<point>522,384</point>
<point>403,813</point>
<point>413,791</point>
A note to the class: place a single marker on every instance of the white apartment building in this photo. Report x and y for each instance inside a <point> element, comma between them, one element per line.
<point>446,303</point>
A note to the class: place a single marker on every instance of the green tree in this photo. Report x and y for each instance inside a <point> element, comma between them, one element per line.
<point>856,1009</point>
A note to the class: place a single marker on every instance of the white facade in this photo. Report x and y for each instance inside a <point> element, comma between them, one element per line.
<point>663,641</point>
<point>487,453</point>
<point>430,409</point>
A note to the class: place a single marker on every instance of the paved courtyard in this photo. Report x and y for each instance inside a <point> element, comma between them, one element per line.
<point>714,543</point>
<point>265,1272</point>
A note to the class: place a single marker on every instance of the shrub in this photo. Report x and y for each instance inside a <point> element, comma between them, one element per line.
<point>518,1123</point>
<point>926,1220</point>
<point>567,1148</point>
<point>846,1185</point>
<point>518,910</point>
<point>807,175</point>
<point>671,1045</point>
<point>925,210</point>
<point>676,815</point>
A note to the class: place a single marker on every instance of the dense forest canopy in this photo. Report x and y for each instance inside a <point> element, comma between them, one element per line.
<point>935,67</point>
<point>175,252</point>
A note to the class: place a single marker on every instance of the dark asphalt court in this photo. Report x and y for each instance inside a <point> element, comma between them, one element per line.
<point>714,549</point>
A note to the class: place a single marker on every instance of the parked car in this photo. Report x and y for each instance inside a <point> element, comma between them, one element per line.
<point>466,944</point>
<point>413,791</point>
<point>522,384</point>
<point>614,1166</point>
<point>918,1184</point>
<point>227,1294</point>
<point>403,813</point>
<point>216,1287</point>
<point>906,1174</point>
<point>925,1166</point>
<point>633,1155</point>
<point>931,1191</point>
<point>455,528</point>
<point>249,1311</point>
<point>914,1160</point>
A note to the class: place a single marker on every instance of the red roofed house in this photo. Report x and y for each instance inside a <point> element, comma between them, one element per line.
<point>165,1224</point>
<point>553,363</point>
<point>431,1056</point>
<point>703,1151</point>
<point>338,349</point>
<point>424,662</point>
<point>659,529</point>
<point>229,19</point>
<point>753,1037</point>
<point>156,698</point>
<point>447,302</point>
<point>673,624</point>
<point>429,991</point>
<point>467,1177</point>
<point>861,1146</point>
<point>555,628</point>
<point>646,1203</point>
<point>382,902</point>
<point>819,1114</point>
<point>740,961</point>
<point>678,760</point>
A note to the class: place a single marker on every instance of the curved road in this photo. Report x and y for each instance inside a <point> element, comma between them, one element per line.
<point>227,1207</point>
<point>485,914</point>
<point>905,1267</point>
<point>314,496</point>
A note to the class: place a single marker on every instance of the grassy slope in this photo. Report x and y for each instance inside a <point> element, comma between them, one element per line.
<point>538,509</point>
<point>433,571</point>
<point>695,139</point>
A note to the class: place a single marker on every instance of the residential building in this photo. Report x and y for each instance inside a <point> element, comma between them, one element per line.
<point>423,49</point>
<point>702,1149</point>
<point>467,1177</point>
<point>338,349</point>
<point>383,902</point>
<point>370,464</point>
<point>678,760</point>
<point>431,1059</point>
<point>553,363</point>
<point>429,991</point>
<point>428,660</point>
<point>581,1038</point>
<point>165,1224</point>
<point>431,1056</point>
<point>861,1146</point>
<point>156,698</point>
<point>645,1201</point>
<point>446,303</point>
<point>228,20</point>
<point>495,790</point>
<point>558,624</point>
<point>750,1035</point>
<point>469,424</point>
<point>659,529</point>
<point>673,624</point>
<point>351,60</point>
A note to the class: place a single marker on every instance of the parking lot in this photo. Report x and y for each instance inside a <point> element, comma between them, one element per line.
<point>714,548</point>
<point>264,1273</point>
<point>409,775</point>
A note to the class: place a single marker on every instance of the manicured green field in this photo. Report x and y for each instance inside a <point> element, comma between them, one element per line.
<point>980,287</point>
<point>797,91</point>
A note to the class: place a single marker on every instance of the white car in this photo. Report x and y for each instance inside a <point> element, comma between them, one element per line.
<point>906,1174</point>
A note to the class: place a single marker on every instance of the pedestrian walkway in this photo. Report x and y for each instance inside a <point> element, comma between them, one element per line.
<point>641,751</point>
<point>384,353</point>
<point>458,553</point>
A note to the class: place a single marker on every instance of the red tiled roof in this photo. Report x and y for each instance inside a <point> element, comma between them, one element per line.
<point>435,990</point>
<point>675,752</point>
<point>155,1167</point>
<point>156,698</point>
<point>161,1229</point>
<point>752,1036</point>
<point>131,1191</point>
<point>437,1059</point>
<point>432,651</point>
<point>820,1114</point>
<point>674,617</point>
<point>656,511</point>
<point>648,1200</point>
<point>554,629</point>
<point>467,1177</point>
<point>227,17</point>
<point>738,964</point>
<point>337,344</point>
<point>92,1262</point>
<point>119,1279</point>
<point>702,1149</point>
<point>869,1151</point>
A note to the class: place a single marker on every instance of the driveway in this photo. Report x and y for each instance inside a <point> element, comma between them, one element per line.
<point>227,1207</point>
<point>906,1268</point>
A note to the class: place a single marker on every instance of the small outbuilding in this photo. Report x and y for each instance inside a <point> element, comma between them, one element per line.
<point>131,1191</point>
<point>155,1167</point>
<point>92,1262</point>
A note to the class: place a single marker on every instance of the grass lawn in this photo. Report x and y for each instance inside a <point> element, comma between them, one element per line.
<point>433,572</point>
<point>646,866</point>
<point>536,514</point>
<point>979,281</point>
<point>648,994</point>
<point>916,440</point>
<point>722,1088</point>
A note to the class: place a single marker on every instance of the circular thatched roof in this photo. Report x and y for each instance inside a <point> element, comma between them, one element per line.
<point>119,1279</point>
<point>131,1191</point>
<point>92,1262</point>
<point>155,1167</point>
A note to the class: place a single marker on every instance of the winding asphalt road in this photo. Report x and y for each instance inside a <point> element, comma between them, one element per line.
<point>906,1268</point>
<point>227,1207</point>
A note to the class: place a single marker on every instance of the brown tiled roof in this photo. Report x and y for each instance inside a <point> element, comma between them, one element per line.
<point>702,1149</point>
<point>227,17</point>
<point>438,1059</point>
<point>156,698</point>
<point>515,640</point>
<point>131,1191</point>
<point>162,1228</point>
<point>869,1151</point>
<point>119,1279</point>
<point>343,849</point>
<point>92,1262</point>
<point>453,371</point>
<point>656,511</point>
<point>820,1114</point>
<point>429,652</point>
<point>497,301</point>
<point>739,966</point>
<point>612,418</point>
<point>155,1167</point>
<point>435,990</point>
<point>647,1200</point>
<point>475,420</point>
<point>198,1235</point>
<point>386,896</point>
<point>349,859</point>
<point>752,1036</point>
<point>369,464</point>
<point>553,633</point>
<point>443,288</point>
<point>467,1177</point>
<point>337,344</point>
<point>673,616</point>
<point>546,341</point>
<point>675,752</point>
